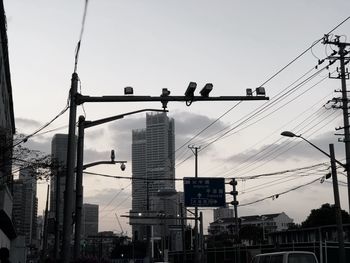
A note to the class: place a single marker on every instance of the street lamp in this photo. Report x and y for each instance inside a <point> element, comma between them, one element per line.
<point>82,125</point>
<point>338,215</point>
<point>291,134</point>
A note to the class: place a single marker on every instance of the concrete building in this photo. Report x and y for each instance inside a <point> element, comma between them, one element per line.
<point>7,129</point>
<point>25,206</point>
<point>59,145</point>
<point>153,159</point>
<point>268,222</point>
<point>90,220</point>
<point>223,212</point>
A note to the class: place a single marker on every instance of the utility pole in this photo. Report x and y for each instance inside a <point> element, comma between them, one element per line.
<point>194,149</point>
<point>338,216</point>
<point>342,75</point>
<point>45,234</point>
<point>57,212</point>
<point>69,186</point>
<point>183,232</point>
<point>78,99</point>
<point>234,192</point>
<point>79,188</point>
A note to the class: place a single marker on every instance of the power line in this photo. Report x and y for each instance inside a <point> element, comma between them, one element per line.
<point>274,196</point>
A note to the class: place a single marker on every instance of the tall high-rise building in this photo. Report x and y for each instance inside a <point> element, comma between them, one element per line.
<point>59,146</point>
<point>90,220</point>
<point>152,159</point>
<point>25,205</point>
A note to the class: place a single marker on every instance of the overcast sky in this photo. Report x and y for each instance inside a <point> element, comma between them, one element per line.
<point>156,44</point>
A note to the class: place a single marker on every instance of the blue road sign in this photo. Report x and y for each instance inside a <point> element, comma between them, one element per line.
<point>204,192</point>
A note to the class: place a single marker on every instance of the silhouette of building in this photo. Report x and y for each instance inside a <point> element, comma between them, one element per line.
<point>268,222</point>
<point>7,129</point>
<point>223,212</point>
<point>90,220</point>
<point>25,206</point>
<point>153,160</point>
<point>59,146</point>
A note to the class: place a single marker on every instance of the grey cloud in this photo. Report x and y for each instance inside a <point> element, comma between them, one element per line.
<point>27,123</point>
<point>186,126</point>
<point>43,145</point>
<point>292,149</point>
<point>110,199</point>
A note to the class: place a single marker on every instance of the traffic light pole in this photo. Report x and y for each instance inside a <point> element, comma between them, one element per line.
<point>235,205</point>
<point>196,243</point>
<point>78,99</point>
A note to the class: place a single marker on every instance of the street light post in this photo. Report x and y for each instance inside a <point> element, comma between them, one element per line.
<point>82,125</point>
<point>342,257</point>
<point>78,99</point>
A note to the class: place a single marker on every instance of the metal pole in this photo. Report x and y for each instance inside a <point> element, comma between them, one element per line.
<point>345,116</point>
<point>57,213</point>
<point>148,227</point>
<point>338,215</point>
<point>43,252</point>
<point>79,188</point>
<point>68,193</point>
<point>196,252</point>
<point>320,241</point>
<point>201,237</point>
<point>183,232</point>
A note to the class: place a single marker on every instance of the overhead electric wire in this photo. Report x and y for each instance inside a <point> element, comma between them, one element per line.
<point>277,73</point>
<point>281,193</point>
<point>278,153</point>
<point>280,172</point>
<point>41,128</point>
<point>277,131</point>
<point>114,197</point>
<point>273,147</point>
<point>279,181</point>
<point>263,108</point>
<point>269,103</point>
<point>267,106</point>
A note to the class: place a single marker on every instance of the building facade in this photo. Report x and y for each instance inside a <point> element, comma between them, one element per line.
<point>90,220</point>
<point>268,222</point>
<point>25,206</point>
<point>7,129</point>
<point>223,212</point>
<point>153,168</point>
<point>59,146</point>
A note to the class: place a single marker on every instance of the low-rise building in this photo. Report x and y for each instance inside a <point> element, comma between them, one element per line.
<point>268,222</point>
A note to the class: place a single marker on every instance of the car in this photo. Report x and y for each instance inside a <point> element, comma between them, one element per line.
<point>286,257</point>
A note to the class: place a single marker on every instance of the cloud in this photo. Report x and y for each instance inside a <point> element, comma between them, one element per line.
<point>295,149</point>
<point>110,199</point>
<point>24,123</point>
<point>186,126</point>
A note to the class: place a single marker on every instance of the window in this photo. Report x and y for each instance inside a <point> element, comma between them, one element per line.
<point>301,258</point>
<point>276,259</point>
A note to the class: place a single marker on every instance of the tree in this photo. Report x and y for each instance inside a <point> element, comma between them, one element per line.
<point>251,233</point>
<point>324,216</point>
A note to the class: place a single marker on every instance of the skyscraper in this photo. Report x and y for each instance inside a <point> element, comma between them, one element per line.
<point>90,220</point>
<point>152,159</point>
<point>25,205</point>
<point>59,146</point>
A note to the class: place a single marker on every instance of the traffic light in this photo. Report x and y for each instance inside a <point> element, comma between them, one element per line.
<point>234,192</point>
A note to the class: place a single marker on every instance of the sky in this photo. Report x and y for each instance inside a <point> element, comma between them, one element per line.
<point>154,44</point>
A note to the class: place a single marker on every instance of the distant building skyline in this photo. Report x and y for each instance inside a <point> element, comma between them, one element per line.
<point>152,158</point>
<point>90,215</point>
<point>59,144</point>
<point>25,205</point>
